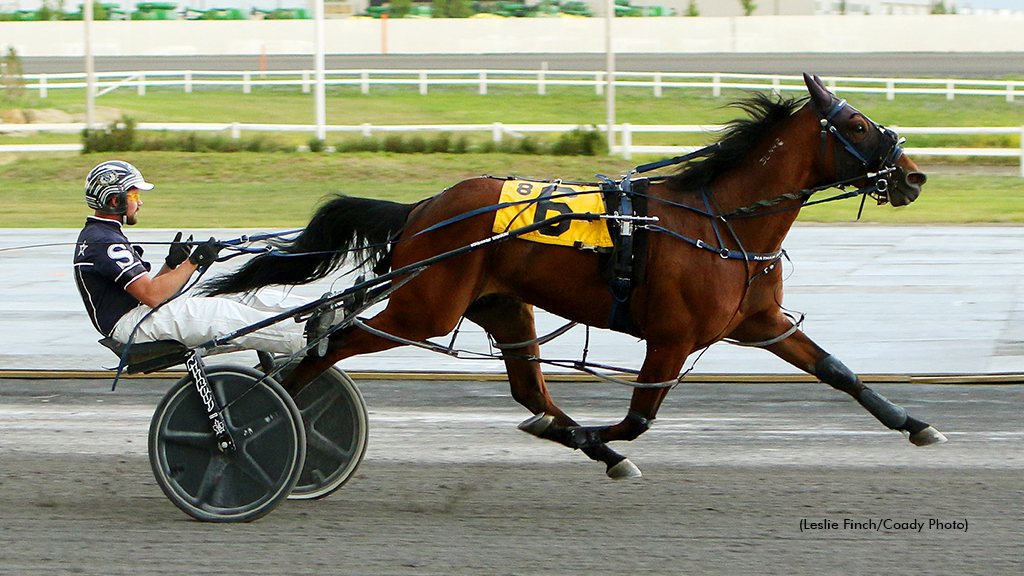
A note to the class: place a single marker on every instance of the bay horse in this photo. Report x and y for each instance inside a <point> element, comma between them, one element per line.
<point>692,294</point>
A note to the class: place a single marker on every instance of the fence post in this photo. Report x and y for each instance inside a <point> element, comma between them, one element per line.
<point>1009,91</point>
<point>423,82</point>
<point>716,85</point>
<point>42,85</point>
<point>541,89</point>
<point>483,82</point>
<point>188,82</point>
<point>657,84</point>
<point>627,141</point>
<point>1022,151</point>
<point>236,131</point>
<point>890,89</point>
<point>246,83</point>
<point>141,84</point>
<point>949,90</point>
<point>776,83</point>
<point>367,129</point>
<point>496,132</point>
<point>599,83</point>
<point>305,82</point>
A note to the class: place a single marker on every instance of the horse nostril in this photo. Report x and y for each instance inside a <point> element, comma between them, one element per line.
<point>916,178</point>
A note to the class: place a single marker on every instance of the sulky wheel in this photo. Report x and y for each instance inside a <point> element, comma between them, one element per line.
<point>337,428</point>
<point>239,486</point>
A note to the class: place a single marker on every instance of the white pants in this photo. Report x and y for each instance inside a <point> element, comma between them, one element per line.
<point>194,320</point>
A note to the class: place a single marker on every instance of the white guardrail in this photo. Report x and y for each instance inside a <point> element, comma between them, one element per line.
<point>627,148</point>
<point>499,130</point>
<point>655,81</point>
<point>542,79</point>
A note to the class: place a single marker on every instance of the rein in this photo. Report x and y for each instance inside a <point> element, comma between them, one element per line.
<point>354,300</point>
<point>233,244</point>
<point>878,188</point>
<point>353,320</point>
<point>880,185</point>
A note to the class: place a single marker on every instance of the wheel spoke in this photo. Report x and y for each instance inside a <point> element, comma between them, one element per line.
<point>248,465</point>
<point>191,439</point>
<point>217,385</point>
<point>211,479</point>
<point>318,407</point>
<point>320,443</point>
<point>254,429</point>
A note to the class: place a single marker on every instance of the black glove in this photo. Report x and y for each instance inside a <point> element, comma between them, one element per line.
<point>178,252</point>
<point>206,253</point>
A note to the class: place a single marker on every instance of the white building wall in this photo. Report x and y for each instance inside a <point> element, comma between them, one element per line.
<point>726,8</point>
<point>875,7</point>
<point>720,8</point>
<point>756,34</point>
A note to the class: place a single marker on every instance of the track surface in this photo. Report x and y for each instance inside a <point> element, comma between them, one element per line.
<point>450,487</point>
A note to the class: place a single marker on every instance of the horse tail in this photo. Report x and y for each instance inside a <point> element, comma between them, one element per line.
<point>344,226</point>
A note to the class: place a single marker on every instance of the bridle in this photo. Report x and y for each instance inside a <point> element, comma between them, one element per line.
<point>876,164</point>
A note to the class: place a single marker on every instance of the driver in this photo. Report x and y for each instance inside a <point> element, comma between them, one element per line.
<point>120,293</point>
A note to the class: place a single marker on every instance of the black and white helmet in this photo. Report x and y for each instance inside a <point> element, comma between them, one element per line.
<point>113,178</point>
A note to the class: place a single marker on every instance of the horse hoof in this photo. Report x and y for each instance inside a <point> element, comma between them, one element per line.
<point>624,469</point>
<point>927,437</point>
<point>537,424</point>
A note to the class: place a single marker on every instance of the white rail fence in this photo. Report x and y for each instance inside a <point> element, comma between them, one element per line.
<point>657,82</point>
<point>499,130</point>
<point>627,148</point>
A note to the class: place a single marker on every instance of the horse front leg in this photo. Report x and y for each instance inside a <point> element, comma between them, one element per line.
<point>802,352</point>
<point>510,321</point>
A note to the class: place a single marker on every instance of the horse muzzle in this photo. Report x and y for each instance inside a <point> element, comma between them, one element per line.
<point>905,185</point>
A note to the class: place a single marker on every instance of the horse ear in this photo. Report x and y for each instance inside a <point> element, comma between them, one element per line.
<point>820,96</point>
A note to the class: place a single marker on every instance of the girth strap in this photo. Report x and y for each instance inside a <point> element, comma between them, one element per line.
<point>629,254</point>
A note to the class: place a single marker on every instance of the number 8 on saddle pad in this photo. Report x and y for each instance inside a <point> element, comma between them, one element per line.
<point>533,201</point>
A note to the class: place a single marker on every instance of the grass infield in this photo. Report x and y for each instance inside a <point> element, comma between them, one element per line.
<point>281,189</point>
<point>259,190</point>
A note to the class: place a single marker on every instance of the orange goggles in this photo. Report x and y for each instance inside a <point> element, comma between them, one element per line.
<point>133,195</point>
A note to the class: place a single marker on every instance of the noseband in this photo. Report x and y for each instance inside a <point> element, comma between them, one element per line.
<point>885,155</point>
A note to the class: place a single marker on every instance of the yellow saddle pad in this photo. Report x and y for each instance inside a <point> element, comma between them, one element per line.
<point>538,201</point>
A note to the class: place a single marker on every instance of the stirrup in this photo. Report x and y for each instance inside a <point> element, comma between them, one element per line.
<point>317,327</point>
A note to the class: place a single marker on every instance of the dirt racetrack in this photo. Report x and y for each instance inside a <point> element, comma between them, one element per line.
<point>737,479</point>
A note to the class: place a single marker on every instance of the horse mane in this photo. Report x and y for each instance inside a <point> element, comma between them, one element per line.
<point>739,137</point>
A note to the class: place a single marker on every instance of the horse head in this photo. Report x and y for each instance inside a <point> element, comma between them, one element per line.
<point>865,152</point>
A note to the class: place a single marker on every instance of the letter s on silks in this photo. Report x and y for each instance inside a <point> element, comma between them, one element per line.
<point>532,202</point>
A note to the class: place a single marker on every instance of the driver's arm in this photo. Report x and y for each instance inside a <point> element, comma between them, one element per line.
<point>154,290</point>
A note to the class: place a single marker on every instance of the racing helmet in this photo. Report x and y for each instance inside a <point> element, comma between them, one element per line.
<point>113,178</point>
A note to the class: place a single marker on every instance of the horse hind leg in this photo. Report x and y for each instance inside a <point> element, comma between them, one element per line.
<point>398,319</point>
<point>834,373</point>
<point>582,438</point>
<point>509,320</point>
<point>661,365</point>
